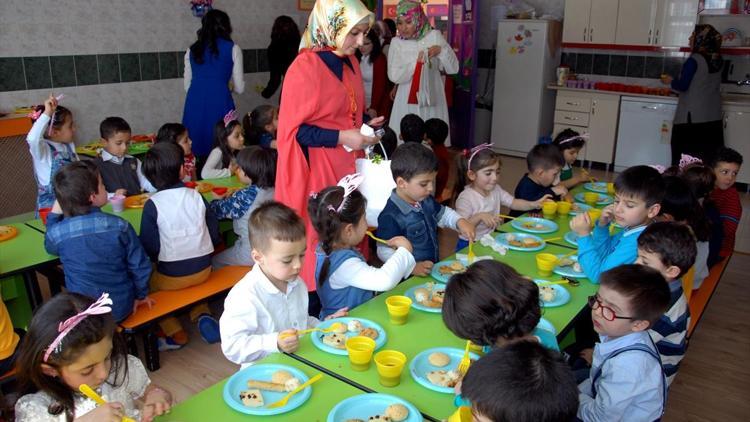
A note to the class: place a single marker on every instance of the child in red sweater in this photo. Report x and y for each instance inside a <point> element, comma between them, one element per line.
<point>725,196</point>
<point>436,132</point>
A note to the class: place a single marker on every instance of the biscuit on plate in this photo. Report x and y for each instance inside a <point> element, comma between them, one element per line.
<point>438,359</point>
<point>397,412</point>
<point>251,398</point>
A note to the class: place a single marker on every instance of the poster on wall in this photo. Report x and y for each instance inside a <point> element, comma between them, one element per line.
<point>305,4</point>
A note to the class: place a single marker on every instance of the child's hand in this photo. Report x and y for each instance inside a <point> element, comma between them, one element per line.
<point>233,168</point>
<point>400,241</point>
<point>288,341</point>
<point>466,229</point>
<point>489,219</point>
<point>156,403</point>
<point>123,192</point>
<point>338,314</point>
<point>538,203</point>
<point>457,388</point>
<point>108,412</point>
<point>50,105</point>
<point>581,224</point>
<point>147,301</point>
<point>608,214</point>
<point>587,355</point>
<point>422,268</point>
<point>560,190</point>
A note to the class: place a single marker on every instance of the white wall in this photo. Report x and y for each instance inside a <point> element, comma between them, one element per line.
<point>67,27</point>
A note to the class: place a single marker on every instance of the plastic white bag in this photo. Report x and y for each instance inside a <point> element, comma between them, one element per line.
<point>427,89</point>
<point>376,186</point>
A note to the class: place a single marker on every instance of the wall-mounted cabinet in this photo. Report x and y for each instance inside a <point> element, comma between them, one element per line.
<point>590,21</point>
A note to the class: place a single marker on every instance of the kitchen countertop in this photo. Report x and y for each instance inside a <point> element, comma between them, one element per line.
<point>726,99</point>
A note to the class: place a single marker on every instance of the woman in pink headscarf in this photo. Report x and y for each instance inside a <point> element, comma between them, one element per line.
<point>418,42</point>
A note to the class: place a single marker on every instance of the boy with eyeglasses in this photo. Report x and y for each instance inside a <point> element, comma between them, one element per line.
<point>627,382</point>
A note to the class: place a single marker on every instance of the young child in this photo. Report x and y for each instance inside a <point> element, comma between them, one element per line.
<point>670,249</point>
<point>626,381</point>
<point>73,340</point>
<point>9,340</point>
<point>570,144</point>
<point>100,252</point>
<point>638,194</point>
<point>121,173</point>
<point>680,205</point>
<point>725,197</point>
<point>179,232</point>
<point>522,382</point>
<point>436,132</point>
<point>493,306</point>
<point>264,310</point>
<point>50,148</point>
<point>260,126</point>
<point>482,197</point>
<point>343,278</point>
<point>256,167</point>
<point>176,133</point>
<point>228,140</point>
<point>412,129</point>
<point>413,212</point>
<point>544,162</point>
<point>701,180</point>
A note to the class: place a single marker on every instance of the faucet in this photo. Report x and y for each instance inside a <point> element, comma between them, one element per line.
<point>745,82</point>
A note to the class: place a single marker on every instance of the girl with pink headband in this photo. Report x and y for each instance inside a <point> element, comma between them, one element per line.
<point>73,340</point>
<point>570,144</point>
<point>482,197</point>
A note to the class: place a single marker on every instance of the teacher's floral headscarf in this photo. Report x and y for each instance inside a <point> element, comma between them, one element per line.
<point>707,42</point>
<point>331,20</point>
<point>412,10</point>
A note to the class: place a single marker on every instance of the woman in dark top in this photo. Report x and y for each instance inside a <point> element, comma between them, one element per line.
<point>281,52</point>
<point>697,129</point>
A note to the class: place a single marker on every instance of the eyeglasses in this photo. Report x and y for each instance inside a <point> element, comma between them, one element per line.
<point>607,312</point>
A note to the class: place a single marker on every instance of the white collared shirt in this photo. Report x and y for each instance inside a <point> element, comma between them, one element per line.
<point>255,311</point>
<point>142,180</point>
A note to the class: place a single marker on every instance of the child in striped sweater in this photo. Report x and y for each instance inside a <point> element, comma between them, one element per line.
<point>725,196</point>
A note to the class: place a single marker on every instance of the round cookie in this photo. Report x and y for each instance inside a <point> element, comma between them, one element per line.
<point>397,412</point>
<point>421,294</point>
<point>281,377</point>
<point>438,359</point>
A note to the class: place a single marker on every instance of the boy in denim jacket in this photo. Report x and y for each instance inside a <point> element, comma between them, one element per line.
<point>413,212</point>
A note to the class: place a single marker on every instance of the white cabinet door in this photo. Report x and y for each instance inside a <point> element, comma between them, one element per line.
<point>736,130</point>
<point>675,21</point>
<point>635,22</point>
<point>603,21</point>
<point>576,23</point>
<point>605,110</point>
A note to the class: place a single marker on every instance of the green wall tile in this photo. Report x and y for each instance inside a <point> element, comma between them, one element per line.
<point>86,70</point>
<point>180,63</point>
<point>149,66</point>
<point>262,60</point>
<point>37,72</point>
<point>11,74</point>
<point>63,71</point>
<point>168,65</point>
<point>130,70</point>
<point>109,68</point>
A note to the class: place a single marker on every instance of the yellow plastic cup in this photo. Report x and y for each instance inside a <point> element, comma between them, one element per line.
<point>360,350</point>
<point>398,309</point>
<point>611,188</point>
<point>390,364</point>
<point>591,198</point>
<point>563,207</point>
<point>594,214</point>
<point>549,208</point>
<point>545,263</point>
<point>462,414</point>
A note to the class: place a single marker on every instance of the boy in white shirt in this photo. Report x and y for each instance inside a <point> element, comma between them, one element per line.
<point>264,310</point>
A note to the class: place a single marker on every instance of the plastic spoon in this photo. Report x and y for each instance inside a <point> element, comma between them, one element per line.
<point>90,393</point>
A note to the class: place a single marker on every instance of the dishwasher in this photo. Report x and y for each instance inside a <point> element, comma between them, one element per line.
<point>645,131</point>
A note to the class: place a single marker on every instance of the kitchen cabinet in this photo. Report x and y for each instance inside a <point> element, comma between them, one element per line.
<point>736,130</point>
<point>592,113</point>
<point>665,23</point>
<point>590,21</point>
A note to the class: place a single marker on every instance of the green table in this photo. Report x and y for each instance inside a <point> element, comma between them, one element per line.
<point>208,405</point>
<point>426,330</point>
<point>133,215</point>
<point>134,149</point>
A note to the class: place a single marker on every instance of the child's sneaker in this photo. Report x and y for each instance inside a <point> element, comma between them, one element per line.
<point>167,343</point>
<point>209,329</point>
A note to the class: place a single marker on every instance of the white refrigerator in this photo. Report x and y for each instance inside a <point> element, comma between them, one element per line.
<point>528,52</point>
<point>644,132</point>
